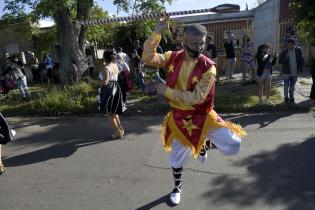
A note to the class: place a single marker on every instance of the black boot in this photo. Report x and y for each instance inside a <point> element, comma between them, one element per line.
<point>175,195</point>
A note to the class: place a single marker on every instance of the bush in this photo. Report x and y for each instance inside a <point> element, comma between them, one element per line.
<point>56,100</point>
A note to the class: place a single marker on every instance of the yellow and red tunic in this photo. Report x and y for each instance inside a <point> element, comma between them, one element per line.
<point>190,94</point>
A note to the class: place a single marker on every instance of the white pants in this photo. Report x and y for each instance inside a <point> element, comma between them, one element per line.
<point>22,85</point>
<point>226,141</point>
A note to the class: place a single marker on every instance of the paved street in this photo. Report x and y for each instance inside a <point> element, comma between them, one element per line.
<point>72,163</point>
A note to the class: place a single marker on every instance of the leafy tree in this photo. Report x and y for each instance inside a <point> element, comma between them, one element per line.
<point>43,41</point>
<point>126,34</point>
<point>100,33</point>
<point>141,6</point>
<point>68,15</point>
<point>19,23</point>
<point>304,15</point>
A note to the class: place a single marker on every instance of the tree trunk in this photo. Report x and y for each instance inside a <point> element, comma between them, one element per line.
<point>70,38</point>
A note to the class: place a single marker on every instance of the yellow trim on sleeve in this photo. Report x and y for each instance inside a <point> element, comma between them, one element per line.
<point>168,93</point>
<point>213,70</point>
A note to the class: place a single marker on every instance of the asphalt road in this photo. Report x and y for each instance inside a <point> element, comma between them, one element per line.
<point>72,163</point>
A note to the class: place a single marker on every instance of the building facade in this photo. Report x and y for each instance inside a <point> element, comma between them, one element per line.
<point>270,22</point>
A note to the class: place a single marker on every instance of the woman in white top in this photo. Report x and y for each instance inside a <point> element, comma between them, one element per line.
<point>111,102</point>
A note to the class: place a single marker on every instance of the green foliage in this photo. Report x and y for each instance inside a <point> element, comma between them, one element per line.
<point>19,23</point>
<point>141,6</point>
<point>304,15</point>
<point>8,19</point>
<point>72,99</point>
<point>100,33</point>
<point>81,99</point>
<point>43,41</point>
<point>55,101</point>
<point>109,34</point>
<point>126,33</point>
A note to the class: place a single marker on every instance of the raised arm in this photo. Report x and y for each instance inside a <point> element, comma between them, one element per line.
<point>149,55</point>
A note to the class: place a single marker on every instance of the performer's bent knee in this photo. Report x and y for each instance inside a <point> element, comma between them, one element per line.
<point>226,141</point>
<point>231,149</point>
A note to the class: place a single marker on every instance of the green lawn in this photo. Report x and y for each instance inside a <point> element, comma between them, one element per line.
<point>80,99</point>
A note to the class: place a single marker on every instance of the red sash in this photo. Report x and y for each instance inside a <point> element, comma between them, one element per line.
<point>188,125</point>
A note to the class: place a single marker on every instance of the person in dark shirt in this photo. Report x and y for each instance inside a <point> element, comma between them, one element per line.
<point>139,74</point>
<point>292,61</point>
<point>211,52</point>
<point>35,69</point>
<point>230,56</point>
<point>137,53</point>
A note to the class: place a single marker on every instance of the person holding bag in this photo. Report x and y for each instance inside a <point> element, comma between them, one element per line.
<point>111,100</point>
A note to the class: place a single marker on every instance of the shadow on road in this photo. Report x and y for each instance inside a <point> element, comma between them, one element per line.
<point>61,137</point>
<point>56,151</point>
<point>262,119</point>
<point>282,177</point>
<point>165,199</point>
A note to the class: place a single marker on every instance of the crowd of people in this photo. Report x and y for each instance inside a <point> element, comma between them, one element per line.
<point>260,64</point>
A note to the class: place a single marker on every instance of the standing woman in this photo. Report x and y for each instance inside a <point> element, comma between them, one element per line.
<point>111,102</point>
<point>265,60</point>
<point>312,96</point>
<point>247,59</point>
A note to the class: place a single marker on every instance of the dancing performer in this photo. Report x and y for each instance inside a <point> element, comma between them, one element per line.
<point>192,126</point>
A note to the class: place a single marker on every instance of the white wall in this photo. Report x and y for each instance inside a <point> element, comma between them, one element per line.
<point>265,23</point>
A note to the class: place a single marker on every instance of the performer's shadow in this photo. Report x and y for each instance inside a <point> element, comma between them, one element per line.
<point>55,151</point>
<point>165,199</point>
